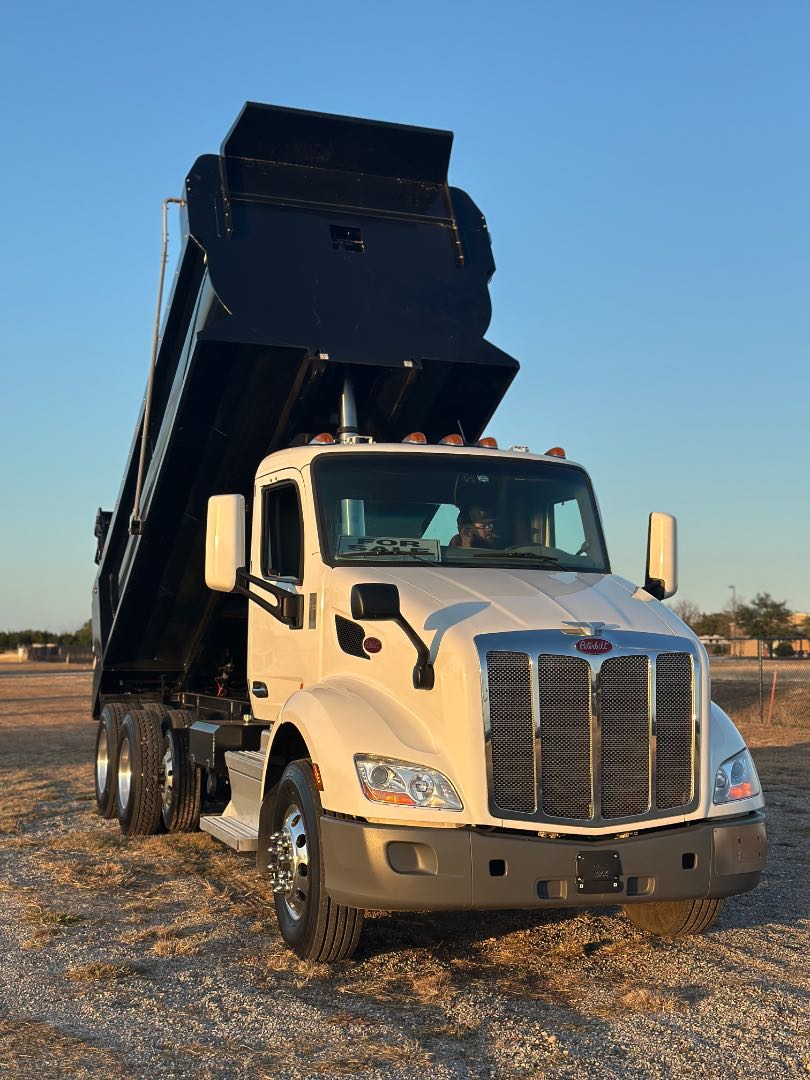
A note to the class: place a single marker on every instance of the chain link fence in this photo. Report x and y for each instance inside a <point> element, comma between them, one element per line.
<point>763,682</point>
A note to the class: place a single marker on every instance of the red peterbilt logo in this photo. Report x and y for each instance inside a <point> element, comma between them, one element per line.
<point>593,645</point>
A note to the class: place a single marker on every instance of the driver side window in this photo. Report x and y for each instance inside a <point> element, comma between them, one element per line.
<point>282,532</point>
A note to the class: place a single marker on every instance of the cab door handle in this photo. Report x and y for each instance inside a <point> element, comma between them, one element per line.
<point>259,689</point>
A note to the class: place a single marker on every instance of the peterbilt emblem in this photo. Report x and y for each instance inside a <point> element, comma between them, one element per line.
<point>593,645</point>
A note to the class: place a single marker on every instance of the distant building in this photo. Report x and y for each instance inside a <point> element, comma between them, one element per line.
<point>49,651</point>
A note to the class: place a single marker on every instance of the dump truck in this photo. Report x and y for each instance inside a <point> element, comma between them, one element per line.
<point>339,628</point>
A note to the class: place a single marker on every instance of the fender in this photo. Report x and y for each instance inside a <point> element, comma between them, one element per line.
<point>341,717</point>
<point>725,741</point>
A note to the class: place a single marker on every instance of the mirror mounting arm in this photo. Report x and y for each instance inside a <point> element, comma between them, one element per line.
<point>655,587</point>
<point>290,607</point>
<point>423,674</point>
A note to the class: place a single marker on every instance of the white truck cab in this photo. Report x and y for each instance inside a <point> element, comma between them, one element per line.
<point>553,741</point>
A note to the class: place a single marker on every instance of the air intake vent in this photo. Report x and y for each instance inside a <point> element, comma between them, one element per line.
<point>512,731</point>
<point>351,636</point>
<point>625,713</point>
<point>676,744</point>
<point>565,736</point>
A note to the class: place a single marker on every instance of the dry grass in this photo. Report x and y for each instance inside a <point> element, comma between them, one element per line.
<point>33,1048</point>
<point>46,923</point>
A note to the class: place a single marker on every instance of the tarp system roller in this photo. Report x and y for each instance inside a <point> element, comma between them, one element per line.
<point>311,243</point>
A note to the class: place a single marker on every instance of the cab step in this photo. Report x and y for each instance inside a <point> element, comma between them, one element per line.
<point>231,831</point>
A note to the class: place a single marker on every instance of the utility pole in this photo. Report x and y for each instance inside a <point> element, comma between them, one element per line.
<point>732,630</point>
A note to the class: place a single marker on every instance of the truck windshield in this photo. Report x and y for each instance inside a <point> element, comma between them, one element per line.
<point>457,510</point>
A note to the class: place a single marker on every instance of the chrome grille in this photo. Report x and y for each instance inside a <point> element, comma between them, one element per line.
<point>673,717</point>
<point>565,736</point>
<point>572,739</point>
<point>624,709</point>
<point>514,784</point>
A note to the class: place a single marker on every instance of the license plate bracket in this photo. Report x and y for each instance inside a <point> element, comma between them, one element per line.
<point>599,872</point>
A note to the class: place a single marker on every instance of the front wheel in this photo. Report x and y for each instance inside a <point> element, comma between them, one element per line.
<point>674,918</point>
<point>313,926</point>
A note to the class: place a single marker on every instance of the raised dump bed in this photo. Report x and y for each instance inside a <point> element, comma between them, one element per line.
<point>313,245</point>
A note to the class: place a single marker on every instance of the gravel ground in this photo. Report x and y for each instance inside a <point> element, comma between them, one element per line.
<point>160,956</point>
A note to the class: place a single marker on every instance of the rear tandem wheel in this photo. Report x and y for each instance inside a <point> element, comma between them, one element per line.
<point>138,773</point>
<point>107,736</point>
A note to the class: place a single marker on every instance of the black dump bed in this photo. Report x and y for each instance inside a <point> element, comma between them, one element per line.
<point>313,245</point>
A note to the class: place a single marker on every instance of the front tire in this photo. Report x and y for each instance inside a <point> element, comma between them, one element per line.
<point>138,774</point>
<point>674,918</point>
<point>313,926</point>
<point>107,735</point>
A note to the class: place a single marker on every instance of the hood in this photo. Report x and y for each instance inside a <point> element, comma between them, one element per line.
<point>500,600</point>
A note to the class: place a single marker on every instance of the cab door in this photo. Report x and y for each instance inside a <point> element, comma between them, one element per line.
<point>277,653</point>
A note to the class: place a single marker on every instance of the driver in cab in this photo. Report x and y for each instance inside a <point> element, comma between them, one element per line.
<point>476,528</point>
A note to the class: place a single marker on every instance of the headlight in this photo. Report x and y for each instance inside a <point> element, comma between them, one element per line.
<point>386,780</point>
<point>736,779</point>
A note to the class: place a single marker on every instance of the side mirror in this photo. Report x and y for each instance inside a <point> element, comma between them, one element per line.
<point>224,541</point>
<point>662,556</point>
<point>375,601</point>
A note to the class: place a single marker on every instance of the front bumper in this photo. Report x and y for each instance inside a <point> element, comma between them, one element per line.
<point>406,868</point>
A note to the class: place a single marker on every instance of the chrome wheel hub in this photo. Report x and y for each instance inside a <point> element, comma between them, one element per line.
<point>102,761</point>
<point>124,774</point>
<point>289,862</point>
<point>167,778</point>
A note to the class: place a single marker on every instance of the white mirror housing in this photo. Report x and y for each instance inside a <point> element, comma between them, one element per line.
<point>224,541</point>
<point>662,556</point>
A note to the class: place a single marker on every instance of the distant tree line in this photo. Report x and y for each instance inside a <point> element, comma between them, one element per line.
<point>764,618</point>
<point>11,639</point>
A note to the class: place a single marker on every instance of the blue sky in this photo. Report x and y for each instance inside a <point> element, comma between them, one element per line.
<point>644,171</point>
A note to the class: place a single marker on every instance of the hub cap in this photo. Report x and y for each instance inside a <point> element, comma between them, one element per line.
<point>102,761</point>
<point>289,862</point>
<point>167,778</point>
<point>124,774</point>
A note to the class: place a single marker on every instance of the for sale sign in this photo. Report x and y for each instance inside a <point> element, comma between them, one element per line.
<point>396,548</point>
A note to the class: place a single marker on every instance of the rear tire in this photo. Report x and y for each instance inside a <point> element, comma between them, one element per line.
<point>674,918</point>
<point>109,724</point>
<point>313,925</point>
<point>138,774</point>
<point>180,781</point>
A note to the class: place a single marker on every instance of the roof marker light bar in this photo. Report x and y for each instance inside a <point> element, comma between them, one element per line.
<point>322,440</point>
<point>416,437</point>
<point>488,444</point>
<point>451,440</point>
<point>555,451</point>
